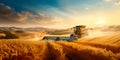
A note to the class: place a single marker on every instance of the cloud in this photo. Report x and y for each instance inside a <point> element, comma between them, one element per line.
<point>108,0</point>
<point>39,18</point>
<point>116,2</point>
<point>9,16</point>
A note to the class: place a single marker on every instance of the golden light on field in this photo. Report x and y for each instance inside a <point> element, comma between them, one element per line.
<point>36,38</point>
<point>101,21</point>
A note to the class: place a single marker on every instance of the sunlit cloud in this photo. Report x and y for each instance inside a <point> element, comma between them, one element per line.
<point>87,8</point>
<point>108,0</point>
<point>116,2</point>
<point>9,16</point>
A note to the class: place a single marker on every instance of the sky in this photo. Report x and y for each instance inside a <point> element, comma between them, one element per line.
<point>59,13</point>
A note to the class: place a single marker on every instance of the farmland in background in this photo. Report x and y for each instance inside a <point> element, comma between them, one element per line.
<point>32,48</point>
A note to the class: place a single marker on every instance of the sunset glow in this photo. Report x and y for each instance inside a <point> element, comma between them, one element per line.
<point>59,13</point>
<point>101,22</point>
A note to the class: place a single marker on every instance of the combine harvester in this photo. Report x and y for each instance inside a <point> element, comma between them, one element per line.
<point>78,32</point>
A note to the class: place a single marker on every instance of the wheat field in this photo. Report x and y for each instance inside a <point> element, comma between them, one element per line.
<point>100,48</point>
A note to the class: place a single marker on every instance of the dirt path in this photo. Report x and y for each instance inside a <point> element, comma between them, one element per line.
<point>51,53</point>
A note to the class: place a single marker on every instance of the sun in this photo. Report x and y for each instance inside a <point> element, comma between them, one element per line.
<point>101,21</point>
